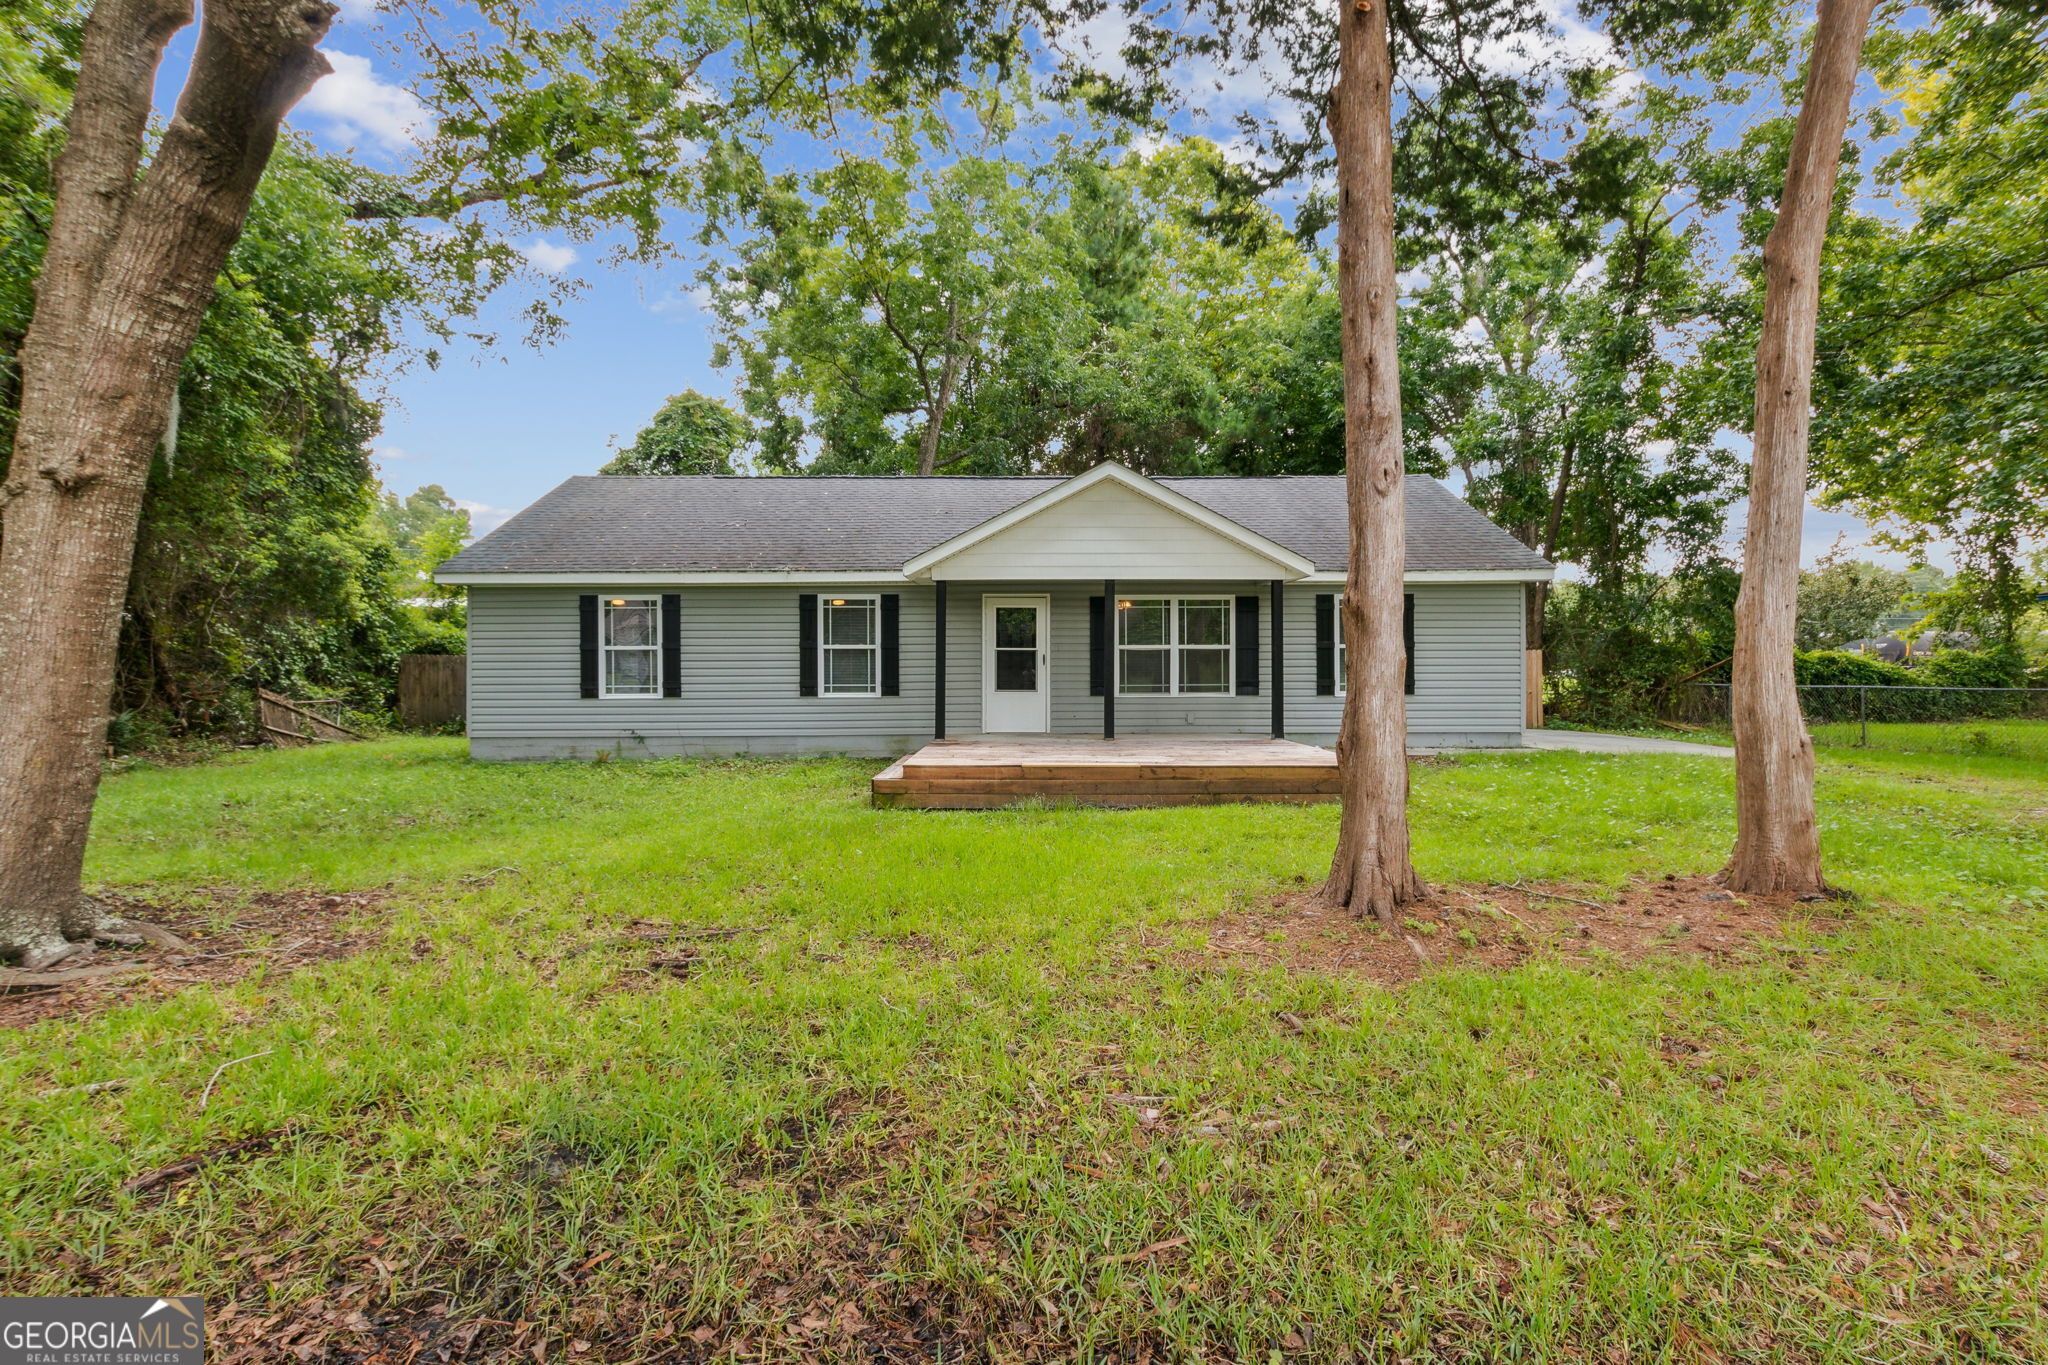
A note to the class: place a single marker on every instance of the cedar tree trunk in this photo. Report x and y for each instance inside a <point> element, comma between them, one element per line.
<point>1371,873</point>
<point>1777,840</point>
<point>130,269</point>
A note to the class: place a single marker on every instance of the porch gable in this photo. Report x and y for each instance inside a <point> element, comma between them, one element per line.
<point>1108,523</point>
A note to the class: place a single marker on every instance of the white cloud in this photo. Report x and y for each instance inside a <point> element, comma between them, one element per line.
<point>1148,145</point>
<point>359,105</point>
<point>687,301</point>
<point>484,518</point>
<point>393,455</point>
<point>549,258</point>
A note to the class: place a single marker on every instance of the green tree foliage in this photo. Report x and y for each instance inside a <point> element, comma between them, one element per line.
<point>1933,411</point>
<point>264,555</point>
<point>583,122</point>
<point>993,318</point>
<point>1840,600</point>
<point>1626,643</point>
<point>259,558</point>
<point>691,434</point>
<point>425,528</point>
<point>872,302</point>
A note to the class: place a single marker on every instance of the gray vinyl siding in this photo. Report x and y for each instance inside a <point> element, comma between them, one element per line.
<point>739,649</point>
<point>1468,667</point>
<point>739,683</point>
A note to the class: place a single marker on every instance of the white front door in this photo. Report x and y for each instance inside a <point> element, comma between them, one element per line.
<point>1016,674</point>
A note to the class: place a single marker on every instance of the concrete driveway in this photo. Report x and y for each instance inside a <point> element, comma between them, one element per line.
<point>1589,742</point>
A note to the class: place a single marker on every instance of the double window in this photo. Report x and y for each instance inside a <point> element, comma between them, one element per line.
<point>1173,646</point>
<point>850,646</point>
<point>630,646</point>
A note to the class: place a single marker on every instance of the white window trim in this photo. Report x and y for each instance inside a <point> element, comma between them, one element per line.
<point>1343,651</point>
<point>1173,645</point>
<point>1343,656</point>
<point>605,649</point>
<point>827,601</point>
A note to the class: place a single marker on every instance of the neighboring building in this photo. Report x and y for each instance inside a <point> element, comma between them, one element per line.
<point>720,615</point>
<point>1885,648</point>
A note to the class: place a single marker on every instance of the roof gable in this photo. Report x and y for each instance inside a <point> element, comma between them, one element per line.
<point>1109,523</point>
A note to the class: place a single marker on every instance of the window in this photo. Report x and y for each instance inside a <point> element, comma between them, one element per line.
<point>631,643</point>
<point>1168,645</point>
<point>1407,640</point>
<point>850,646</point>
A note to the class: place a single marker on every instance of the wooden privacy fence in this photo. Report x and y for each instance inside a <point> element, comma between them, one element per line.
<point>433,689</point>
<point>287,723</point>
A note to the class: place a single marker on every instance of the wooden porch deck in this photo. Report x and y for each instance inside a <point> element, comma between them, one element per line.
<point>983,773</point>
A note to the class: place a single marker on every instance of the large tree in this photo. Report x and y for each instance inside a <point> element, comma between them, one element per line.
<point>1777,836</point>
<point>1371,872</point>
<point>254,559</point>
<point>133,254</point>
<point>871,298</point>
<point>691,434</point>
<point>1130,304</point>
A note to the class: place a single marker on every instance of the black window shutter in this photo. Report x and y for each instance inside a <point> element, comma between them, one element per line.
<point>671,644</point>
<point>807,644</point>
<point>892,652</point>
<point>1248,646</point>
<point>1326,644</point>
<point>1095,660</point>
<point>587,614</point>
<point>1408,637</point>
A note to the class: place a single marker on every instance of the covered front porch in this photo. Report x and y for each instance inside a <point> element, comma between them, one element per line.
<point>1110,605</point>
<point>985,771</point>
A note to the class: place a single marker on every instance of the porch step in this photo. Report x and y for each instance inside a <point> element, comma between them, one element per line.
<point>981,775</point>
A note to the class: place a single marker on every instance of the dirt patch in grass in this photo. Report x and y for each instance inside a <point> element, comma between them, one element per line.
<point>1501,927</point>
<point>233,933</point>
<point>821,1288</point>
<point>848,1299</point>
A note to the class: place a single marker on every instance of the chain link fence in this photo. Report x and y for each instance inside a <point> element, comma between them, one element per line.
<point>2008,722</point>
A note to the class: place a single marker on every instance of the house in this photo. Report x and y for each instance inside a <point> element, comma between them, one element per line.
<point>726,615</point>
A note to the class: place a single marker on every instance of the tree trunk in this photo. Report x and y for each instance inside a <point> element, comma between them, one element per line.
<point>949,379</point>
<point>1777,839</point>
<point>1371,873</point>
<point>1539,593</point>
<point>130,269</point>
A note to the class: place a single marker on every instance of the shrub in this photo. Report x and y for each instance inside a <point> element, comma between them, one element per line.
<point>429,636</point>
<point>1839,668</point>
<point>2000,666</point>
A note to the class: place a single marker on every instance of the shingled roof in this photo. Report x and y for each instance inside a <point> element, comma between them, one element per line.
<point>727,524</point>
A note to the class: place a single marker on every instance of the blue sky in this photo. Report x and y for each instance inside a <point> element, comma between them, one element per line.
<point>497,429</point>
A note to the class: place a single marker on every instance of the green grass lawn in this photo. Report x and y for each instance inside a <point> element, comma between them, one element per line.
<point>888,1100</point>
<point>2023,742</point>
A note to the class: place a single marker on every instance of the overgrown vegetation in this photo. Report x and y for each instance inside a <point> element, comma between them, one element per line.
<point>978,1076</point>
<point>266,555</point>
